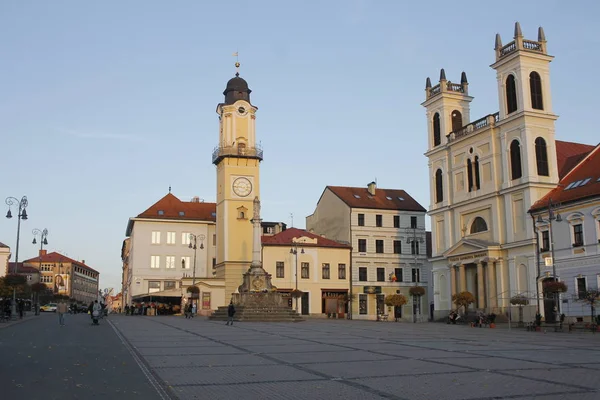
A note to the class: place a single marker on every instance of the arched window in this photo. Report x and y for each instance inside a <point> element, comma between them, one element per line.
<point>456,120</point>
<point>515,160</point>
<point>436,130</point>
<point>241,149</point>
<point>541,156</point>
<point>469,175</point>
<point>478,225</point>
<point>476,168</point>
<point>535,87</point>
<point>511,94</point>
<point>439,187</point>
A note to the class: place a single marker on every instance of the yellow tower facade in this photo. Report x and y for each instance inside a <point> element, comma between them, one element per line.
<point>237,158</point>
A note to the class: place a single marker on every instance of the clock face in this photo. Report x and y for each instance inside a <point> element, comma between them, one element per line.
<point>241,110</point>
<point>242,187</point>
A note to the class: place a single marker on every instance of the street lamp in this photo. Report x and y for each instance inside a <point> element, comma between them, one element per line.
<point>552,216</point>
<point>294,251</point>
<point>194,239</point>
<point>21,215</point>
<point>414,241</point>
<point>43,241</point>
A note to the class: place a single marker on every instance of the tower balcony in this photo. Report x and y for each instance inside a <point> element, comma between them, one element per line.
<point>240,150</point>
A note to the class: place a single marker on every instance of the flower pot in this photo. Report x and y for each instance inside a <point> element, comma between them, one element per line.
<point>538,328</point>
<point>492,326</point>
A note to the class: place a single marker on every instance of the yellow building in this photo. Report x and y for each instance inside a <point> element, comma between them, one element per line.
<point>313,264</point>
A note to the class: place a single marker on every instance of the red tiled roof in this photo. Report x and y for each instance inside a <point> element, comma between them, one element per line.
<point>569,154</point>
<point>589,167</point>
<point>21,269</point>
<point>285,238</point>
<point>384,199</point>
<point>171,207</point>
<point>3,245</point>
<point>55,257</point>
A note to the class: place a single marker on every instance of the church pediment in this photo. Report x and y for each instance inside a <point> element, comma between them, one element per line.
<point>468,249</point>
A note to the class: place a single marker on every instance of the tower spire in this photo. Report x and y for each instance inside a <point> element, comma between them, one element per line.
<point>237,64</point>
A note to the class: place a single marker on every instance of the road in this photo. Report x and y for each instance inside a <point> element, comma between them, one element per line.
<point>42,360</point>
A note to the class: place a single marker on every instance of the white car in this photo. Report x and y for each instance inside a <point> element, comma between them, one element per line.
<point>50,307</point>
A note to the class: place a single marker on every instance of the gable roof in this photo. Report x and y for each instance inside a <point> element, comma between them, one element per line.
<point>55,257</point>
<point>384,199</point>
<point>569,154</point>
<point>588,167</point>
<point>285,238</point>
<point>22,269</point>
<point>3,245</point>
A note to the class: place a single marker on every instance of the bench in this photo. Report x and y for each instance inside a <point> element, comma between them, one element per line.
<point>382,317</point>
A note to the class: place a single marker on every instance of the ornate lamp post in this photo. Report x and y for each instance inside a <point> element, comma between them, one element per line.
<point>414,242</point>
<point>43,241</point>
<point>294,251</point>
<point>193,245</point>
<point>21,215</point>
<point>553,215</point>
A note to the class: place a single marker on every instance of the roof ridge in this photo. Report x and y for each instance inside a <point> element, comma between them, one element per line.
<point>576,166</point>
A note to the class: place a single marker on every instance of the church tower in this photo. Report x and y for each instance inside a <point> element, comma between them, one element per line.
<point>237,158</point>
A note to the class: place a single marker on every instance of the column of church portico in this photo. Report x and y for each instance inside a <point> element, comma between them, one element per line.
<point>463,278</point>
<point>501,284</point>
<point>452,280</point>
<point>480,287</point>
<point>492,293</point>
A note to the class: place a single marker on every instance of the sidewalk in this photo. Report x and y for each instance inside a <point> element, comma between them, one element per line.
<point>27,317</point>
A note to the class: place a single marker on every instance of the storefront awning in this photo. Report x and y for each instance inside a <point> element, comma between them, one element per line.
<point>165,293</point>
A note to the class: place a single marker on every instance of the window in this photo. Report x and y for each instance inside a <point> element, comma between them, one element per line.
<point>155,237</point>
<point>325,268</point>
<point>476,168</point>
<point>414,247</point>
<point>379,246</point>
<point>153,286</point>
<point>469,175</point>
<point>380,274</point>
<point>413,222</point>
<point>214,239</point>
<point>185,238</point>
<point>541,157</point>
<point>185,262</point>
<point>279,269</point>
<point>416,275</point>
<point>362,303</point>
<point>154,261</point>
<point>269,230</point>
<point>379,220</point>
<point>170,237</point>
<point>396,221</point>
<point>545,241</point>
<point>456,121</point>
<point>511,94</point>
<point>399,274</point>
<point>170,262</point>
<point>535,88</point>
<point>362,274</point>
<point>361,219</point>
<point>478,225</point>
<point>439,188</point>
<point>304,270</point>
<point>515,159</point>
<point>341,271</point>
<point>437,140</point>
<point>362,245</point>
<point>169,285</point>
<point>397,247</point>
<point>577,235</point>
<point>581,288</point>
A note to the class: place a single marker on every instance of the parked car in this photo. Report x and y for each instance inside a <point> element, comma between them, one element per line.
<point>50,307</point>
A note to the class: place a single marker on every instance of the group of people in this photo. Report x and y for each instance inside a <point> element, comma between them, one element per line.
<point>6,308</point>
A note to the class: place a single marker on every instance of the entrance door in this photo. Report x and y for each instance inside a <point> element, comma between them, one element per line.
<point>549,304</point>
<point>397,312</point>
<point>304,303</point>
<point>380,304</point>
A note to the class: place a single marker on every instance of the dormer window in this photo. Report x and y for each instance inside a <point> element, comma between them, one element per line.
<point>181,213</point>
<point>161,212</point>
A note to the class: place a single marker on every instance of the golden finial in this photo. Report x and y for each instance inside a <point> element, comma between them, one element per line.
<point>237,64</point>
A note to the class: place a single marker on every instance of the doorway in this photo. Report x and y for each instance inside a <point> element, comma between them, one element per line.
<point>305,303</point>
<point>380,304</point>
<point>550,304</point>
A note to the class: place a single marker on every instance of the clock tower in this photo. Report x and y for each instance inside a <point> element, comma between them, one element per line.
<point>237,158</point>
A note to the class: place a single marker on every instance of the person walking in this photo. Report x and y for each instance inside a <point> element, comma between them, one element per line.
<point>61,310</point>
<point>230,313</point>
<point>96,310</point>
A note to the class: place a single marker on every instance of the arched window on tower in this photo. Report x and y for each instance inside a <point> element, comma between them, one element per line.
<point>541,156</point>
<point>535,87</point>
<point>515,160</point>
<point>436,130</point>
<point>478,225</point>
<point>511,94</point>
<point>476,168</point>
<point>469,175</point>
<point>439,186</point>
<point>456,120</point>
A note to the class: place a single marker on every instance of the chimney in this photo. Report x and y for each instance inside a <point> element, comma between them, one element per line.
<point>196,199</point>
<point>83,261</point>
<point>371,188</point>
<point>43,252</point>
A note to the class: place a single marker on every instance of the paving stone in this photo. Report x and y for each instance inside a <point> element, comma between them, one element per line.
<point>329,356</point>
<point>495,363</point>
<point>216,349</point>
<point>206,360</point>
<point>589,379</point>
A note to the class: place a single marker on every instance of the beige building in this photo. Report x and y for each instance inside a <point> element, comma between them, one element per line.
<point>486,173</point>
<point>386,229</point>
<point>317,266</point>
<point>4,257</point>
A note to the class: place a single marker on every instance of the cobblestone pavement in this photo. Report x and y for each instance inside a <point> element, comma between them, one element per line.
<point>324,359</point>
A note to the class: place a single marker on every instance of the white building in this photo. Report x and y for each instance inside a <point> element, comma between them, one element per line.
<point>386,228</point>
<point>574,237</point>
<point>485,175</point>
<point>4,257</point>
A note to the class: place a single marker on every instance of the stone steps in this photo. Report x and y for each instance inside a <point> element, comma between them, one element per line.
<point>263,314</point>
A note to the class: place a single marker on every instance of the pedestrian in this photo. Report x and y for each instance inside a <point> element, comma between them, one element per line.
<point>21,308</point>
<point>230,313</point>
<point>61,309</point>
<point>96,310</point>
<point>127,309</point>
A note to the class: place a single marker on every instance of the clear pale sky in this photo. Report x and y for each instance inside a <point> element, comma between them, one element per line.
<point>104,105</point>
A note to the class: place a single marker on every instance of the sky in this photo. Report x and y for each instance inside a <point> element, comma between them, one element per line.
<point>104,105</point>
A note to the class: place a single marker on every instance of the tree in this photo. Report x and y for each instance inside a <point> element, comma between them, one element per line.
<point>554,287</point>
<point>463,299</point>
<point>395,300</point>
<point>591,297</point>
<point>519,300</point>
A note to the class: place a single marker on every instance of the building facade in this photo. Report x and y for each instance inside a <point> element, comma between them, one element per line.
<point>4,257</point>
<point>567,223</point>
<point>386,229</point>
<point>485,174</point>
<point>317,266</point>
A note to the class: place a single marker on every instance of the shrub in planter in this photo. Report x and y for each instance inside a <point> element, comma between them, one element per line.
<point>395,300</point>
<point>555,287</point>
<point>296,293</point>
<point>416,291</point>
<point>519,300</point>
<point>463,299</point>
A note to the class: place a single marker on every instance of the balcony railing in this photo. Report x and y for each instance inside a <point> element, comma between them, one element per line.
<point>488,120</point>
<point>240,150</point>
